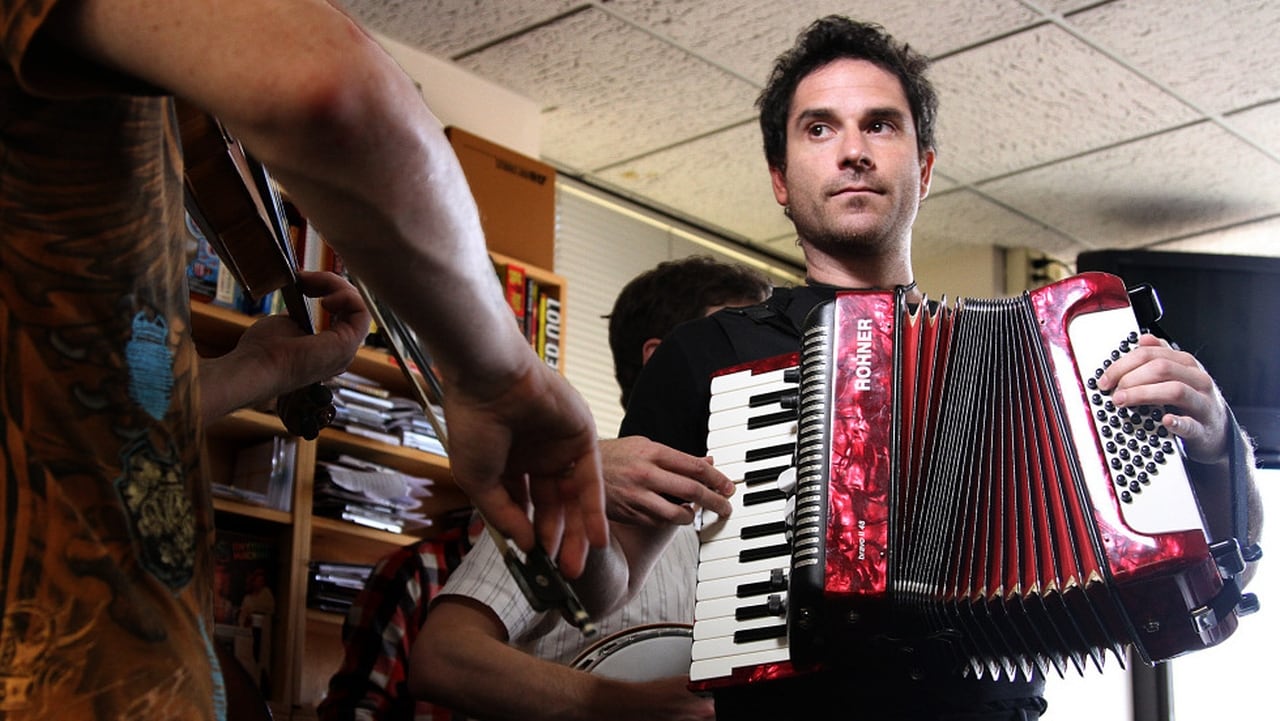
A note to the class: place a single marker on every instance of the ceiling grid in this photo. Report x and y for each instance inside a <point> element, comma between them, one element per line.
<point>1065,125</point>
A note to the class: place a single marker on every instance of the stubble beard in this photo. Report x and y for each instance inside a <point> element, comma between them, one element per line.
<point>860,237</point>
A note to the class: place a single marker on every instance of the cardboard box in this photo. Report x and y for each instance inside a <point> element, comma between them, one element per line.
<point>516,196</point>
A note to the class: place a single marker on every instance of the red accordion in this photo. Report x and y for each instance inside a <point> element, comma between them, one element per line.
<point>961,489</point>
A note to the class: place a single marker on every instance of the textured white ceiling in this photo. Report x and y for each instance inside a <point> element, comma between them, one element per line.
<point>1065,125</point>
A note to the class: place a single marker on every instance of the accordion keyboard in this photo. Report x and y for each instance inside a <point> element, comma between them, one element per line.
<point>740,616</point>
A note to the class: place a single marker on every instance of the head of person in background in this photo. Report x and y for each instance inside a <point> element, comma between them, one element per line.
<point>672,292</point>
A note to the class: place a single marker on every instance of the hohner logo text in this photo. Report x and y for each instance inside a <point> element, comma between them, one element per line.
<point>862,356</point>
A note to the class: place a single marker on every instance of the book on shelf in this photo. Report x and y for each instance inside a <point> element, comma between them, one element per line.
<point>362,516</point>
<point>426,442</point>
<point>512,277</point>
<point>532,314</point>
<point>205,266</point>
<point>370,494</point>
<point>245,578</point>
<point>367,411</point>
<point>359,383</point>
<point>262,474</point>
<point>334,587</point>
<point>377,401</point>
<point>373,434</point>
<point>365,415</point>
<point>550,336</point>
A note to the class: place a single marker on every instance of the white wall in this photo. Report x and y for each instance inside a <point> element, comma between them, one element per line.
<point>601,244</point>
<point>977,272</point>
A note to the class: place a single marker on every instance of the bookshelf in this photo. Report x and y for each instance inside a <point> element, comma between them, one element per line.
<point>306,643</point>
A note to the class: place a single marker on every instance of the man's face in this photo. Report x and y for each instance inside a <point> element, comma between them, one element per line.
<point>854,177</point>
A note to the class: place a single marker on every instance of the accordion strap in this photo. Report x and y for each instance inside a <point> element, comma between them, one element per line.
<point>1239,474</point>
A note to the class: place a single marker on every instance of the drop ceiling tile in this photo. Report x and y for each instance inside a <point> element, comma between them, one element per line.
<point>721,179</point>
<point>445,28</point>
<point>1200,50</point>
<point>1039,96</point>
<point>1166,186</point>
<point>610,91</point>
<point>953,221</point>
<point>746,36</point>
<point>1065,6</point>
<point>941,183</point>
<point>1261,125</point>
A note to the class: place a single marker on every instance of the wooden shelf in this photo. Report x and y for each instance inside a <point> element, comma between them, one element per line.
<point>249,510</point>
<point>402,458</point>
<point>324,618</point>
<point>307,642</point>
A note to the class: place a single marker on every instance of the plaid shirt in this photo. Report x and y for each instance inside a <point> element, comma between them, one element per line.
<point>380,628</point>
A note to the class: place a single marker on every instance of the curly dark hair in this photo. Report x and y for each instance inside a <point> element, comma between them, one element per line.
<point>661,298</point>
<point>833,38</point>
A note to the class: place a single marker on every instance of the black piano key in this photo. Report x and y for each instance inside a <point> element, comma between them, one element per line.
<point>756,554</point>
<point>759,454</point>
<point>777,582</point>
<point>775,606</point>
<point>768,398</point>
<point>763,475</point>
<point>769,494</point>
<point>747,635</point>
<point>771,419</point>
<point>760,530</point>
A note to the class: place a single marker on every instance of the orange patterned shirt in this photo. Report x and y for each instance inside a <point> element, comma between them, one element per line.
<point>105,520</point>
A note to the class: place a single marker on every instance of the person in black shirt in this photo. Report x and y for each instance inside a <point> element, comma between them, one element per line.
<point>848,123</point>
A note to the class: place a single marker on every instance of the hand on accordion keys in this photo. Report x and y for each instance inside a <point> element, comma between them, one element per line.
<point>650,484</point>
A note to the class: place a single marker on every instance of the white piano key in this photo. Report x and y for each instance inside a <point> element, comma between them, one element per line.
<point>772,434</point>
<point>721,606</point>
<point>748,503</point>
<point>725,646</point>
<point>725,567</point>
<point>759,513</point>
<point>723,666</point>
<point>725,586</point>
<point>731,547</point>
<point>715,528</point>
<point>745,397</point>
<point>726,626</point>
<point>741,417</point>
<point>737,472</point>
<point>730,382</point>
<point>737,452</point>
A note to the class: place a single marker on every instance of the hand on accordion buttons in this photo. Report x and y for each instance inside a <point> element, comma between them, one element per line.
<point>1155,374</point>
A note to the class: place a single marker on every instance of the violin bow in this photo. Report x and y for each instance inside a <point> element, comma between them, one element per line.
<point>536,574</point>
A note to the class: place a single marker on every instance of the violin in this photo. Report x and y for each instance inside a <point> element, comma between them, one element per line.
<point>237,206</point>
